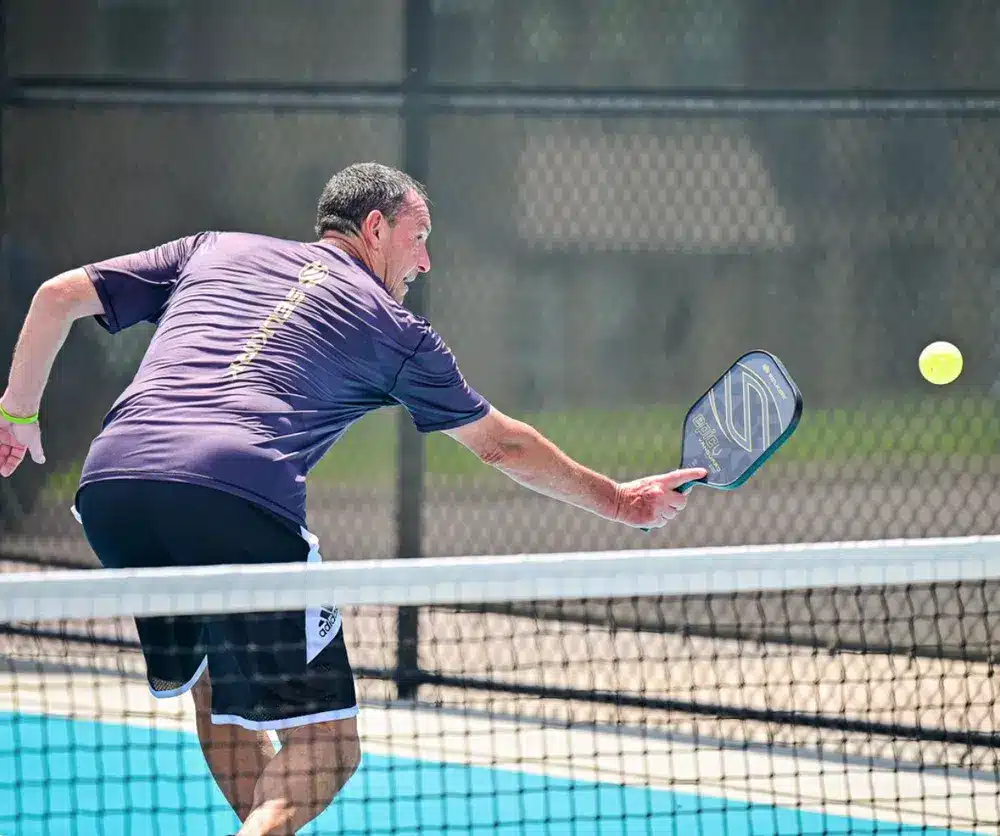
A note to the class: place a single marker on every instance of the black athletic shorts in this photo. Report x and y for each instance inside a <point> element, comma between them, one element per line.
<point>268,670</point>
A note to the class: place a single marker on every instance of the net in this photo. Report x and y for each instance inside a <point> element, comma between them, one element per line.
<point>825,689</point>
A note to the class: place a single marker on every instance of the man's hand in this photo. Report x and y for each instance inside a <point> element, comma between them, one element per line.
<point>653,501</point>
<point>16,440</point>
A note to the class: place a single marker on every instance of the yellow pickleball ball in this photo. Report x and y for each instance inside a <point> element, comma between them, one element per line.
<point>940,362</point>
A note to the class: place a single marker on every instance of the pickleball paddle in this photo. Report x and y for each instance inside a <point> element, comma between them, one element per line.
<point>740,422</point>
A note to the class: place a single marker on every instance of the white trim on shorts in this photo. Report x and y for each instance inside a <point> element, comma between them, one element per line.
<point>187,686</point>
<point>322,624</point>
<point>286,722</point>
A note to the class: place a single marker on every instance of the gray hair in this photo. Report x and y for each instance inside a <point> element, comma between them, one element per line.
<point>356,191</point>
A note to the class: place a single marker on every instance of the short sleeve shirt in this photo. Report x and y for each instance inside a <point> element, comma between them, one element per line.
<point>265,352</point>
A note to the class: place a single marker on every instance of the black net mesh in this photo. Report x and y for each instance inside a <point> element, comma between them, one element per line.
<point>865,707</point>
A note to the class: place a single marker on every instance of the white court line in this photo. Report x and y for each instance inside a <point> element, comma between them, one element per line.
<point>424,733</point>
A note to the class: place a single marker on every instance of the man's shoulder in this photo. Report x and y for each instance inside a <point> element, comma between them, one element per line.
<point>418,337</point>
<point>273,255</point>
<point>245,240</point>
<point>409,329</point>
<point>394,321</point>
<point>250,239</point>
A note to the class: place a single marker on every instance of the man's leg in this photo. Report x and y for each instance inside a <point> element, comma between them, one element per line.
<point>300,782</point>
<point>236,756</point>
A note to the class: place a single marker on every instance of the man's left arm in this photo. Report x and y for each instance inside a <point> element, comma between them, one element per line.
<point>57,304</point>
<point>119,292</point>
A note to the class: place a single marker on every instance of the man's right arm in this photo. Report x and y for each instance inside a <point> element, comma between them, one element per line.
<point>526,456</point>
<point>429,384</point>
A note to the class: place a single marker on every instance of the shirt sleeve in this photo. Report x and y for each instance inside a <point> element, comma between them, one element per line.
<point>433,390</point>
<point>135,288</point>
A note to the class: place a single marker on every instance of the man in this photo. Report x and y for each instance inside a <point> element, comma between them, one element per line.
<point>266,350</point>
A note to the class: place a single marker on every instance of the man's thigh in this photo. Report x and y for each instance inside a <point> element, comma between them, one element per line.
<point>331,751</point>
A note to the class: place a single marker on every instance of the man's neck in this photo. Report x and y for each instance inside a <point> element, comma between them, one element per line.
<point>352,247</point>
<point>345,243</point>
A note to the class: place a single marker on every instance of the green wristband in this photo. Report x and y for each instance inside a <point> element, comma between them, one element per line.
<point>14,419</point>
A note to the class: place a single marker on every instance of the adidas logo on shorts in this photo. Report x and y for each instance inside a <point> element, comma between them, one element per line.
<point>328,620</point>
<point>322,626</point>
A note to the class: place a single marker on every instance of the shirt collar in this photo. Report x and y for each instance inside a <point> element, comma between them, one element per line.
<point>345,256</point>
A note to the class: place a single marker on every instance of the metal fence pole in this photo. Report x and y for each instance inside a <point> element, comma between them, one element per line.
<point>410,466</point>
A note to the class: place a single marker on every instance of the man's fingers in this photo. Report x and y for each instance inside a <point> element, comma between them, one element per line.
<point>15,442</point>
<point>30,437</point>
<point>657,497</point>
<point>688,474</point>
<point>35,448</point>
<point>677,501</point>
<point>10,458</point>
<point>664,517</point>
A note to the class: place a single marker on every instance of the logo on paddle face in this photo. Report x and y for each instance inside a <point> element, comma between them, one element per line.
<point>744,405</point>
<point>709,439</point>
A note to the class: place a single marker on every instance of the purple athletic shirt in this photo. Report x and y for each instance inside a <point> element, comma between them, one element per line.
<point>265,352</point>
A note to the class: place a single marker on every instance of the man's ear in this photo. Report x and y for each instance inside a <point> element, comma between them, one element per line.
<point>375,222</point>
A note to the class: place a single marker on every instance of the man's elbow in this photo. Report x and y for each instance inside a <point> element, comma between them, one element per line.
<point>509,450</point>
<point>495,454</point>
<point>70,295</point>
<point>496,440</point>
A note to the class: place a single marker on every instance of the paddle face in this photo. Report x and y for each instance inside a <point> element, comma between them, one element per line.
<point>740,422</point>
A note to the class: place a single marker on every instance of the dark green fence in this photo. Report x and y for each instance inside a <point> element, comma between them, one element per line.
<point>623,202</point>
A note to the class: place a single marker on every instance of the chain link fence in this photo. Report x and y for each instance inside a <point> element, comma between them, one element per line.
<point>623,203</point>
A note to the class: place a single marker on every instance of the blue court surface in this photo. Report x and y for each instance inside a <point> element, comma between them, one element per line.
<point>87,778</point>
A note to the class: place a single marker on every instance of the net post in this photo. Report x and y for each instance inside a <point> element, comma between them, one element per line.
<point>411,454</point>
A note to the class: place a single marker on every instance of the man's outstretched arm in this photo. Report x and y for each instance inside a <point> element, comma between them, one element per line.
<point>56,305</point>
<point>530,459</point>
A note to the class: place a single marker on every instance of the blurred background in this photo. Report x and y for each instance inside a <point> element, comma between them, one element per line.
<point>627,194</point>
